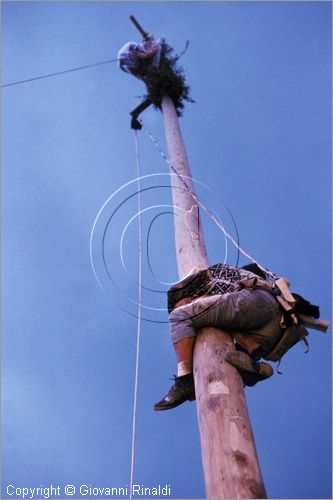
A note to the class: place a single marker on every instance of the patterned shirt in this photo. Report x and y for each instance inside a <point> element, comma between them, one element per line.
<point>216,279</point>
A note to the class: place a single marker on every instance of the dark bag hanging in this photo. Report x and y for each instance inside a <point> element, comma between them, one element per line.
<point>290,337</point>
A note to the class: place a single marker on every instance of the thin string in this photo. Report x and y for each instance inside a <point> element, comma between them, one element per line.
<point>49,75</point>
<point>208,212</point>
<point>138,336</point>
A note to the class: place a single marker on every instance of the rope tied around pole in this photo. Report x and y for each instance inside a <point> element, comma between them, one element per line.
<point>49,75</point>
<point>138,336</point>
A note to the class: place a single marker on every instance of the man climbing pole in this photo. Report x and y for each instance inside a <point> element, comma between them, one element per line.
<point>154,64</point>
<point>263,317</point>
<point>139,60</point>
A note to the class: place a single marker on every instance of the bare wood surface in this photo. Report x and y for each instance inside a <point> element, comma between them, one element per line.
<point>229,456</point>
<point>190,245</point>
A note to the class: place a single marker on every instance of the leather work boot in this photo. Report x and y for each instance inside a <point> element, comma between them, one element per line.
<point>251,371</point>
<point>181,391</point>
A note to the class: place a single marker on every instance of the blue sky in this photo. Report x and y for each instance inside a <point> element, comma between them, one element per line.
<point>258,135</point>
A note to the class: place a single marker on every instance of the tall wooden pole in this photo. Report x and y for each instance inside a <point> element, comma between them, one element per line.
<point>229,456</point>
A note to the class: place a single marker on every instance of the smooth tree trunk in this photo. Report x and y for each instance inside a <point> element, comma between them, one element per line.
<point>229,457</point>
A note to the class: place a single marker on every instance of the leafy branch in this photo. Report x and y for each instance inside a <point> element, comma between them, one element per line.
<point>168,79</point>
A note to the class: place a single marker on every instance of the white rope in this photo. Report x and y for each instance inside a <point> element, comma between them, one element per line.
<point>138,336</point>
<point>208,212</point>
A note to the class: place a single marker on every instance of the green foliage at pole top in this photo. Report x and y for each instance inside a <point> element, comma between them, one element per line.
<point>168,79</point>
